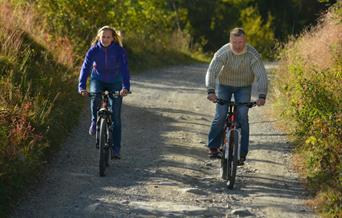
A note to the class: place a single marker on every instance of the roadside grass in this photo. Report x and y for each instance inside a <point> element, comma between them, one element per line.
<point>308,97</point>
<point>39,106</point>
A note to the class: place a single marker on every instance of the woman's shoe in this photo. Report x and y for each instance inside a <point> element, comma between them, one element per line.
<point>92,128</point>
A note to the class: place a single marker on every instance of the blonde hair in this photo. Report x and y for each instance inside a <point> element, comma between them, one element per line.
<point>116,35</point>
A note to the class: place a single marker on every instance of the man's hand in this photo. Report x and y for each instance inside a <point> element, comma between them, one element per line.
<point>212,97</point>
<point>123,92</point>
<point>84,93</point>
<point>261,102</point>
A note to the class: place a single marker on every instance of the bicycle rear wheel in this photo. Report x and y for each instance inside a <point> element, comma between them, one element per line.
<point>104,154</point>
<point>232,161</point>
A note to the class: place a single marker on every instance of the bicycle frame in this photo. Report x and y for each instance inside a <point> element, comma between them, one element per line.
<point>104,128</point>
<point>104,112</point>
<point>231,128</point>
<point>230,144</point>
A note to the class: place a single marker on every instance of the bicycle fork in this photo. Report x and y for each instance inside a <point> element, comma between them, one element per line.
<point>236,132</point>
<point>106,115</point>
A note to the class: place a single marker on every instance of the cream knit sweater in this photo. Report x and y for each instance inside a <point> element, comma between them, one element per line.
<point>237,70</point>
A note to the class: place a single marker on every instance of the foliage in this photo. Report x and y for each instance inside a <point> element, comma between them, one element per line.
<point>210,32</point>
<point>309,80</point>
<point>260,34</point>
<point>282,18</point>
<point>291,17</point>
<point>153,22</point>
<point>145,21</point>
<point>38,106</point>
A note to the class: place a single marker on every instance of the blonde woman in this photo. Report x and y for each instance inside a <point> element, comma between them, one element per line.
<point>106,62</point>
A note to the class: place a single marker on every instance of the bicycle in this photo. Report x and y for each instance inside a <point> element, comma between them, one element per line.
<point>104,129</point>
<point>230,146</point>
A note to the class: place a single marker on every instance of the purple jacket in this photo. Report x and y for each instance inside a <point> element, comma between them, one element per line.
<point>107,64</point>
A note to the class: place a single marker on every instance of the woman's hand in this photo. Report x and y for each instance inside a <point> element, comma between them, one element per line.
<point>123,92</point>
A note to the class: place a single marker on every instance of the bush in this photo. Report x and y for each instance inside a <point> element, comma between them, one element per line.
<point>309,91</point>
<point>39,104</point>
<point>260,33</point>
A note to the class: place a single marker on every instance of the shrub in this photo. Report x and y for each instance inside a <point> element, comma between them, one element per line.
<point>309,91</point>
<point>38,104</point>
<point>260,33</point>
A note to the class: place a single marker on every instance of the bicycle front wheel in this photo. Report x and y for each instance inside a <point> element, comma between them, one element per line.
<point>224,147</point>
<point>102,147</point>
<point>232,161</point>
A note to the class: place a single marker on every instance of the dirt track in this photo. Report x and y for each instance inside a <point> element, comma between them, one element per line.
<point>165,171</point>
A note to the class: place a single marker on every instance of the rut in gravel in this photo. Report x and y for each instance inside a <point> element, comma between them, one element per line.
<point>165,170</point>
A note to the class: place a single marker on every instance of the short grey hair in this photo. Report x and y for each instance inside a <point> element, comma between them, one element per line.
<point>237,31</point>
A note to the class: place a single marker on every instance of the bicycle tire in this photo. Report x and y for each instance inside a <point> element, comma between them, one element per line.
<point>224,170</point>
<point>224,162</point>
<point>107,147</point>
<point>233,159</point>
<point>102,145</point>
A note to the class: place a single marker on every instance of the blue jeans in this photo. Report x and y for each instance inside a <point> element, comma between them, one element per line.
<point>115,103</point>
<point>241,94</point>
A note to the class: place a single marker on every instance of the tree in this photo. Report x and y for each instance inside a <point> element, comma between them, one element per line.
<point>260,33</point>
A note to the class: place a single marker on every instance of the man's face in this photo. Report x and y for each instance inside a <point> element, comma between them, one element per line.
<point>238,43</point>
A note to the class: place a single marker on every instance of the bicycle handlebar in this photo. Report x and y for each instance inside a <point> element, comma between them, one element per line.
<point>106,92</point>
<point>232,103</point>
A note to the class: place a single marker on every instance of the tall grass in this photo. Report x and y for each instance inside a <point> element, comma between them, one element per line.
<point>309,94</point>
<point>23,17</point>
<point>38,101</point>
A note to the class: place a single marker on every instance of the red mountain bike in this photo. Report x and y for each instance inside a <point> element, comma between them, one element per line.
<point>231,141</point>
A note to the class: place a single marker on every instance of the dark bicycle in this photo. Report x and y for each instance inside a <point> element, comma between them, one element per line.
<point>104,129</point>
<point>231,146</point>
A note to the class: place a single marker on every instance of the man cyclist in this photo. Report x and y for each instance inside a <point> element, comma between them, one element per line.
<point>232,71</point>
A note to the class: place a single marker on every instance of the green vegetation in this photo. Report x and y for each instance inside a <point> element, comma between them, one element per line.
<point>265,21</point>
<point>309,82</point>
<point>178,24</point>
<point>147,28</point>
<point>38,105</point>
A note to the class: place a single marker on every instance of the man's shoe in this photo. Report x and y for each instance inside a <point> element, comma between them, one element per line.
<point>242,160</point>
<point>92,128</point>
<point>214,153</point>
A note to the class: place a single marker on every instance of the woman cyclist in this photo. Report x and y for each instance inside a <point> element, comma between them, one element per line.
<point>106,61</point>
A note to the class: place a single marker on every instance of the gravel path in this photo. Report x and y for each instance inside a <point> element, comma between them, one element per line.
<point>165,171</point>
